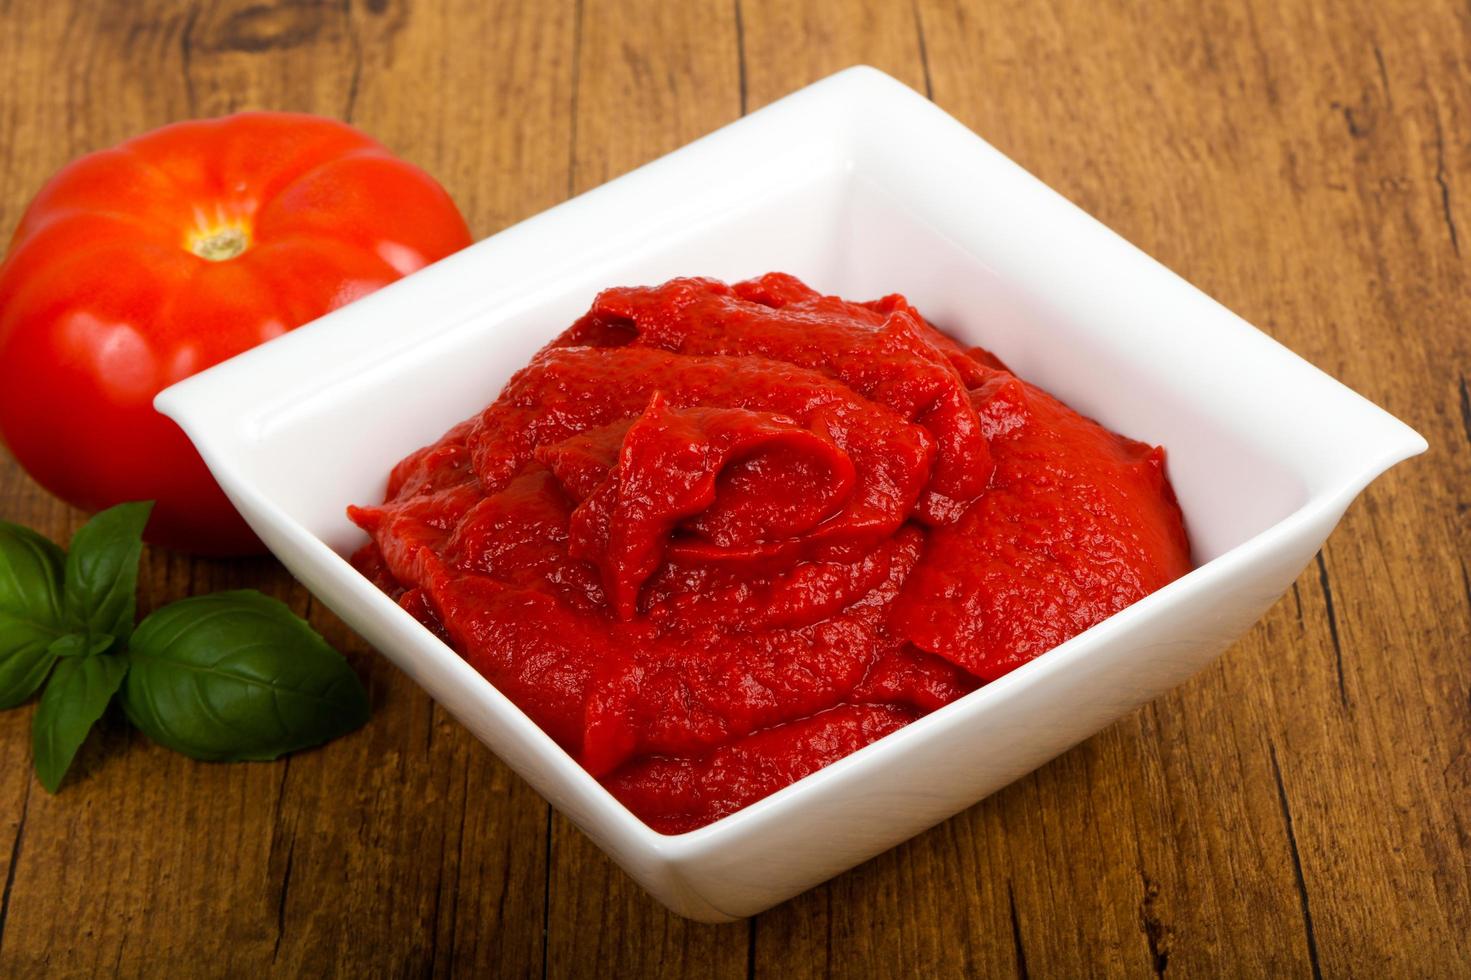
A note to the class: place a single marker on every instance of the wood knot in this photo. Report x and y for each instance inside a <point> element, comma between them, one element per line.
<point>271,27</point>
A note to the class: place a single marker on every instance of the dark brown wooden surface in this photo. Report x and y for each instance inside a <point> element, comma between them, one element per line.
<point>1303,807</point>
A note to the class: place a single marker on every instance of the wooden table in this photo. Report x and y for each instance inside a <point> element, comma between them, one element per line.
<point>1301,807</point>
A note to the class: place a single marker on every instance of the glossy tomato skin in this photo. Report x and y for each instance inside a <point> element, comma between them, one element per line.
<point>106,299</point>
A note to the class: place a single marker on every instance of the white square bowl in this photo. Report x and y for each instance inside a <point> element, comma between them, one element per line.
<point>861,187</point>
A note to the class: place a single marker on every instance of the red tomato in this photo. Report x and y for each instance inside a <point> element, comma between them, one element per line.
<point>138,266</point>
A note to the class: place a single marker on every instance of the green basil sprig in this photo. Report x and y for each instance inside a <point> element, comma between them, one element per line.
<point>226,676</point>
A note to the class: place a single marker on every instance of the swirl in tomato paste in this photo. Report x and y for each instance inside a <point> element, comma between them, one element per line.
<point>714,538</point>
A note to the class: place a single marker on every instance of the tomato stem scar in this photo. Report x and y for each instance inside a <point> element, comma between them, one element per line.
<point>219,245</point>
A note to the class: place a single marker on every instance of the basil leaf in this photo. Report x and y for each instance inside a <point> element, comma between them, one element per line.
<point>74,699</point>
<point>80,644</point>
<point>235,676</point>
<point>102,571</point>
<point>30,610</point>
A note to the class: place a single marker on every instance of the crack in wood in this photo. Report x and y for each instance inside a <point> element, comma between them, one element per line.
<point>751,950</point>
<point>280,795</point>
<point>1384,78</point>
<point>1465,409</point>
<point>1333,629</point>
<point>828,926</point>
<point>20,829</point>
<point>1302,886</point>
<point>740,32</point>
<point>508,856</point>
<point>1444,184</point>
<point>546,895</point>
<point>276,827</point>
<point>1465,582</point>
<point>454,901</point>
<point>438,897</point>
<point>1016,934</point>
<point>281,901</point>
<point>1156,933</point>
<point>1274,97</point>
<point>572,117</point>
<point>924,52</point>
<point>1355,129</point>
<point>356,43</point>
<point>454,892</point>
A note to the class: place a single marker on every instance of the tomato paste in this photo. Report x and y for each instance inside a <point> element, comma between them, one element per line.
<point>713,538</point>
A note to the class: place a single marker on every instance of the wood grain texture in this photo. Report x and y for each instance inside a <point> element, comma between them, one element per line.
<point>1301,808</point>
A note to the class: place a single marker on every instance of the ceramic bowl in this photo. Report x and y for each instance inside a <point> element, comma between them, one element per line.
<point>861,187</point>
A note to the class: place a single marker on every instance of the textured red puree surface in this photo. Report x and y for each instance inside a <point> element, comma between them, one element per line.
<point>716,537</point>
